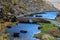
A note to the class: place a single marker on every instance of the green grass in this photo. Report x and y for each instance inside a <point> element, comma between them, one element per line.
<point>47,27</point>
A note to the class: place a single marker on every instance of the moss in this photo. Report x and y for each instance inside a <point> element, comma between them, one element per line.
<point>50,29</point>
<point>47,26</point>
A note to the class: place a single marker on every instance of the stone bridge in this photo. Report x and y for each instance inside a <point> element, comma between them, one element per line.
<point>36,19</point>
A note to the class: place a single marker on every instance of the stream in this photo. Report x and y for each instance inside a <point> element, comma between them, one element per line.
<point>30,28</point>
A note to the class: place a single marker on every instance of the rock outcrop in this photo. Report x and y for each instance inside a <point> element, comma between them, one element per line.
<point>25,7</point>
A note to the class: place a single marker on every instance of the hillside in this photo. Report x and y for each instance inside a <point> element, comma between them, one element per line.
<point>25,7</point>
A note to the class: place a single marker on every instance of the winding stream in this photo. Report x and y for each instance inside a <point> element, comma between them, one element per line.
<point>31,28</point>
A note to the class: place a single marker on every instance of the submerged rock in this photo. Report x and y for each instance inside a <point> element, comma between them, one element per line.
<point>9,27</point>
<point>23,31</point>
<point>16,34</point>
<point>39,27</point>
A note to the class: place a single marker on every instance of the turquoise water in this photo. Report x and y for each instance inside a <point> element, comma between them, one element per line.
<point>30,28</point>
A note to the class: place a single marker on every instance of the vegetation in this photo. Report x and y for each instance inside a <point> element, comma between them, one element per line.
<point>48,32</point>
<point>14,7</point>
<point>3,27</point>
<point>47,26</point>
<point>44,36</point>
<point>47,37</point>
<point>5,36</point>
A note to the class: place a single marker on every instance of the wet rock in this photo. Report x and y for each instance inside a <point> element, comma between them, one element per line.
<point>16,23</point>
<point>23,31</point>
<point>39,27</point>
<point>58,18</point>
<point>9,27</point>
<point>19,22</point>
<point>16,34</point>
<point>58,15</point>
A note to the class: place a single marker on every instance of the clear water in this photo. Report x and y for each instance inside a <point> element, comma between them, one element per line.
<point>58,38</point>
<point>30,28</point>
<point>48,15</point>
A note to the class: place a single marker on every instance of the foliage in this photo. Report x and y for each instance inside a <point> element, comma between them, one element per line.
<point>44,36</point>
<point>47,27</point>
<point>50,29</point>
<point>3,27</point>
